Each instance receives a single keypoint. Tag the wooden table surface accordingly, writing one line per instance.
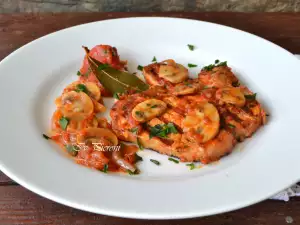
(20, 206)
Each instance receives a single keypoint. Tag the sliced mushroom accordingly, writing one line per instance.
(185, 88)
(172, 71)
(231, 95)
(90, 88)
(76, 105)
(148, 109)
(202, 121)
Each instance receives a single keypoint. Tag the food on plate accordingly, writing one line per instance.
(190, 120)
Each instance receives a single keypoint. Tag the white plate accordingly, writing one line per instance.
(32, 76)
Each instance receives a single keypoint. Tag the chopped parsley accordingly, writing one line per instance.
(231, 125)
(155, 162)
(141, 147)
(139, 113)
(140, 68)
(63, 122)
(84, 74)
(116, 96)
(162, 130)
(134, 130)
(72, 149)
(105, 168)
(103, 66)
(191, 47)
(217, 63)
(46, 137)
(130, 172)
(154, 106)
(209, 67)
(81, 87)
(190, 65)
(191, 165)
(173, 160)
(133, 173)
(138, 158)
(251, 97)
(154, 59)
(222, 63)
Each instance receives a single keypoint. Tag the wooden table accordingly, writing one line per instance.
(20, 206)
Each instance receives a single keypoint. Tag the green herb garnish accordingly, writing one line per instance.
(191, 165)
(217, 63)
(162, 130)
(134, 130)
(209, 67)
(154, 106)
(72, 149)
(190, 65)
(140, 68)
(103, 66)
(105, 168)
(154, 59)
(138, 158)
(155, 162)
(130, 172)
(191, 47)
(231, 125)
(139, 113)
(222, 63)
(173, 160)
(141, 147)
(251, 97)
(81, 87)
(79, 73)
(63, 122)
(116, 96)
(46, 137)
(133, 173)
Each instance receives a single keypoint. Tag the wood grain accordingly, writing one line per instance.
(10, 6)
(19, 29)
(20, 206)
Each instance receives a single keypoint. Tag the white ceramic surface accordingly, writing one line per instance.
(32, 76)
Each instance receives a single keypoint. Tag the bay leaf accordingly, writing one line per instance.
(114, 80)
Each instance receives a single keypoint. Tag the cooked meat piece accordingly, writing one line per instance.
(167, 73)
(201, 120)
(218, 77)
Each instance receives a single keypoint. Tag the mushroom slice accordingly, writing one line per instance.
(231, 95)
(172, 71)
(148, 109)
(76, 105)
(202, 122)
